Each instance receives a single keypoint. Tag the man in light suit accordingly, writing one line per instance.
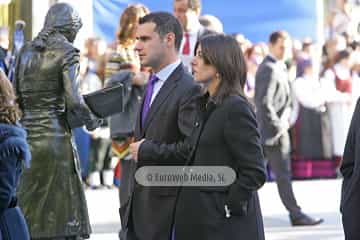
(167, 115)
(273, 104)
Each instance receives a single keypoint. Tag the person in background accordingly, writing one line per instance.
(89, 82)
(330, 51)
(188, 12)
(123, 66)
(211, 23)
(337, 82)
(311, 134)
(254, 55)
(4, 46)
(274, 107)
(243, 42)
(122, 55)
(100, 172)
(14, 156)
(305, 54)
(342, 19)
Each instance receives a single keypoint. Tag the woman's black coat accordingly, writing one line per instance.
(225, 134)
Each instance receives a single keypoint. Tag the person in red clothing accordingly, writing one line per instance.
(337, 82)
(188, 12)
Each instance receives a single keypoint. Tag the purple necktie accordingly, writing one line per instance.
(148, 95)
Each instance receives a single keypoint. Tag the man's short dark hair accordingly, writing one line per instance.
(275, 36)
(165, 23)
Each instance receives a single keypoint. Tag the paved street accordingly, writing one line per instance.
(317, 197)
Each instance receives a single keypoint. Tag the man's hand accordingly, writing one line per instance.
(134, 149)
(141, 78)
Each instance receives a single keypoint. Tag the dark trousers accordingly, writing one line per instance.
(351, 224)
(100, 150)
(127, 185)
(128, 232)
(278, 157)
(128, 168)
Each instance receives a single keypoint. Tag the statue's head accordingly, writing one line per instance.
(65, 19)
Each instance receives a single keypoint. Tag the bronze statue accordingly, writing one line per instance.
(46, 82)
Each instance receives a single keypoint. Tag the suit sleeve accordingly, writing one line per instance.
(350, 151)
(175, 153)
(270, 86)
(243, 139)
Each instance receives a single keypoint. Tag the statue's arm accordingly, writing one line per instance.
(74, 101)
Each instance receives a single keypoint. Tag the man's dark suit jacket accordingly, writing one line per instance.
(350, 169)
(170, 119)
(272, 97)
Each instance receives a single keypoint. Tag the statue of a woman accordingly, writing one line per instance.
(46, 82)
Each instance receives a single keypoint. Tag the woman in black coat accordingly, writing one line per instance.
(225, 135)
(14, 154)
(229, 137)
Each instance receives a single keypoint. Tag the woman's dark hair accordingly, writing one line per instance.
(9, 110)
(224, 53)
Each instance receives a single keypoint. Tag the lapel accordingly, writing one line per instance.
(204, 109)
(160, 98)
(281, 72)
(139, 133)
(269, 58)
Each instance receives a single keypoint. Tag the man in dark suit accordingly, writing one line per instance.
(273, 103)
(167, 115)
(350, 195)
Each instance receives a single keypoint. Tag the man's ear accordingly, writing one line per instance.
(170, 39)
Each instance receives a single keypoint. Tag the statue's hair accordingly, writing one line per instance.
(61, 18)
(40, 41)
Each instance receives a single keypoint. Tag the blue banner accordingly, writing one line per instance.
(256, 19)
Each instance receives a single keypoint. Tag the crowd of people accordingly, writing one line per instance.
(193, 96)
(321, 108)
